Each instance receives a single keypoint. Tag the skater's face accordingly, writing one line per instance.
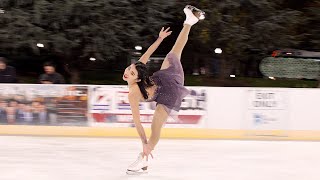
(130, 74)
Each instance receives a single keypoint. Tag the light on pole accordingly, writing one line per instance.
(40, 45)
(138, 48)
(218, 50)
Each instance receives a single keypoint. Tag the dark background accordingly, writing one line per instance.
(72, 31)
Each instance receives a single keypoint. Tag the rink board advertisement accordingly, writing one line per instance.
(267, 109)
(109, 106)
(58, 105)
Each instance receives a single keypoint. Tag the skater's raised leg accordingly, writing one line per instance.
(192, 17)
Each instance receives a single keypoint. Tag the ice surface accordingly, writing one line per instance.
(61, 158)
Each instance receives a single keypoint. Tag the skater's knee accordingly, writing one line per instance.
(176, 53)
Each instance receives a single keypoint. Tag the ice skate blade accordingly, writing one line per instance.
(202, 16)
(201, 13)
(140, 172)
(143, 170)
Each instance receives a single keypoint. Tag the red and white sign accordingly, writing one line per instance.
(109, 106)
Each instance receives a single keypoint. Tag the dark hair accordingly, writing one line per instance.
(144, 77)
(49, 64)
(3, 60)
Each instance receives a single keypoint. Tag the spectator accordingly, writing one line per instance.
(12, 111)
(27, 115)
(3, 112)
(50, 76)
(7, 73)
(11, 115)
(20, 113)
(45, 79)
(41, 115)
(51, 104)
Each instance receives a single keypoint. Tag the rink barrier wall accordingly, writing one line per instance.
(170, 133)
(209, 113)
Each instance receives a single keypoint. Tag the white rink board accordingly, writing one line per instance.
(225, 108)
(296, 109)
(305, 109)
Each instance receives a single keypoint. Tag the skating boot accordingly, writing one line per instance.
(140, 166)
(193, 15)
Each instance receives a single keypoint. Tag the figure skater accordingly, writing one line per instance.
(164, 87)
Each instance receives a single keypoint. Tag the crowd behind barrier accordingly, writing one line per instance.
(50, 76)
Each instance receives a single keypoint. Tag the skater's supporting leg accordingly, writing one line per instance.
(159, 118)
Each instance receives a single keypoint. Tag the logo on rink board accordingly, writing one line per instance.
(267, 100)
(267, 109)
(110, 106)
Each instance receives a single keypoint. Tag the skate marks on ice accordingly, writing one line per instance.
(52, 158)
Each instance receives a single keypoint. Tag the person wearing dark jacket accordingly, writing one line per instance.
(7, 73)
(51, 76)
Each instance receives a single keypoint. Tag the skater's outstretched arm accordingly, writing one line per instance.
(134, 104)
(163, 34)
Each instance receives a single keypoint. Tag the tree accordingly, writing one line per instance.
(238, 26)
(312, 24)
(75, 30)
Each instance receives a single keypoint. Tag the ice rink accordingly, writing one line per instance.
(61, 158)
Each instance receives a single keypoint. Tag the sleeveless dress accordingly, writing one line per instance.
(170, 90)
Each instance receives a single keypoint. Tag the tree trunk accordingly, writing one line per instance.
(73, 73)
(75, 76)
(224, 70)
(195, 69)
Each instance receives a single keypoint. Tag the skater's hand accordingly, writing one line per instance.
(147, 150)
(164, 33)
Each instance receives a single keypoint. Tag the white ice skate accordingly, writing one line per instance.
(140, 166)
(193, 15)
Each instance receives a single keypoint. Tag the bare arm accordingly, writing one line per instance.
(163, 34)
(134, 104)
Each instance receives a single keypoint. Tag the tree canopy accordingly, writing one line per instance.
(76, 30)
(80, 29)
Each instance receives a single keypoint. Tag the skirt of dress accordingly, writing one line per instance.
(170, 86)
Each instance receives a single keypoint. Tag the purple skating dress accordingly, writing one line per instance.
(170, 90)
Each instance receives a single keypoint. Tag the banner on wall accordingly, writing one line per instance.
(43, 104)
(267, 109)
(109, 106)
